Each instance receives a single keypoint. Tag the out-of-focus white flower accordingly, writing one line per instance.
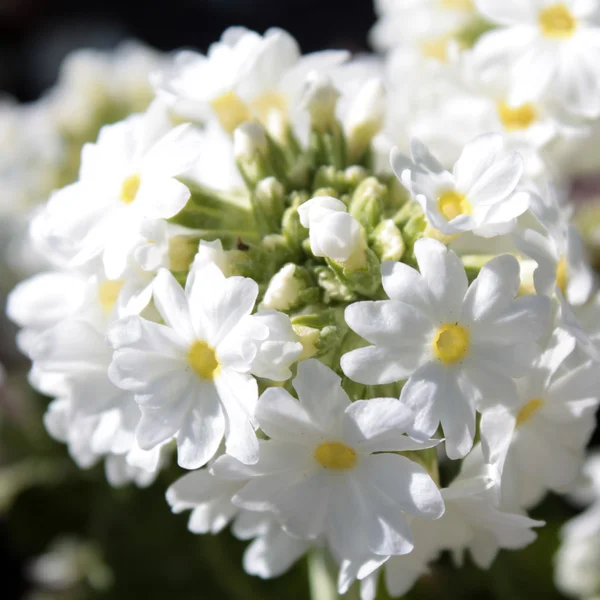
(559, 252)
(550, 48)
(243, 76)
(540, 441)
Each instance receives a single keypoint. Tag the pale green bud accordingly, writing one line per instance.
(268, 202)
(365, 118)
(361, 273)
(387, 241)
(251, 148)
(367, 203)
(333, 288)
(320, 99)
(284, 291)
(320, 332)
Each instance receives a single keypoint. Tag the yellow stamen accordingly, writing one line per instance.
(269, 102)
(436, 48)
(335, 455)
(516, 118)
(451, 343)
(452, 204)
(557, 22)
(203, 360)
(528, 410)
(231, 111)
(108, 292)
(130, 188)
(457, 4)
(562, 274)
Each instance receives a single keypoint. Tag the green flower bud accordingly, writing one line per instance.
(367, 203)
(387, 241)
(268, 202)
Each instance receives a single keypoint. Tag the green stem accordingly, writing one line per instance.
(322, 579)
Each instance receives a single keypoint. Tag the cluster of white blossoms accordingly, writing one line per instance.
(377, 354)
(578, 559)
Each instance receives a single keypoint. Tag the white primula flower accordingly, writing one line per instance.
(473, 520)
(558, 251)
(428, 25)
(209, 498)
(577, 563)
(541, 440)
(330, 470)
(193, 376)
(333, 232)
(479, 195)
(459, 347)
(552, 48)
(244, 76)
(127, 177)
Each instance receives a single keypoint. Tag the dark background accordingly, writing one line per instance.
(36, 34)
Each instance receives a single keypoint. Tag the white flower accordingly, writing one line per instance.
(284, 289)
(128, 176)
(244, 76)
(328, 470)
(458, 347)
(479, 195)
(577, 563)
(209, 498)
(428, 25)
(550, 47)
(541, 440)
(473, 520)
(559, 252)
(192, 377)
(333, 232)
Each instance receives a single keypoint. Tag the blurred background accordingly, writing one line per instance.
(65, 534)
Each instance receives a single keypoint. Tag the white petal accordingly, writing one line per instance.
(320, 392)
(374, 365)
(493, 290)
(444, 273)
(283, 418)
(171, 303)
(202, 431)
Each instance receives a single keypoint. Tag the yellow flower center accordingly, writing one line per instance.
(452, 204)
(269, 102)
(130, 188)
(528, 410)
(203, 360)
(451, 343)
(457, 4)
(557, 22)
(231, 111)
(562, 274)
(436, 48)
(516, 118)
(108, 292)
(335, 455)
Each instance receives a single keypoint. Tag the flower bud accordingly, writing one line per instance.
(320, 99)
(367, 202)
(268, 202)
(365, 118)
(387, 241)
(249, 141)
(333, 232)
(285, 288)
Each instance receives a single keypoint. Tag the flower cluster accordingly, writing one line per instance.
(376, 353)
